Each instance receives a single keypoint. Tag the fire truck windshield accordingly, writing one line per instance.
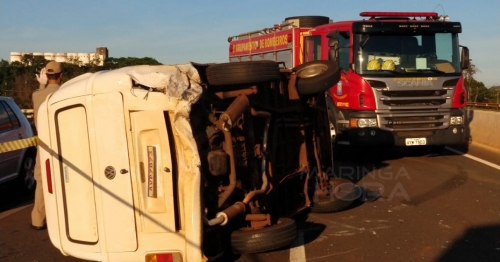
(415, 54)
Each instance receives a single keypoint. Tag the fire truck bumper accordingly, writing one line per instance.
(454, 135)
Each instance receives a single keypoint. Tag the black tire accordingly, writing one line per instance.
(316, 76)
(265, 239)
(243, 72)
(310, 21)
(345, 194)
(26, 178)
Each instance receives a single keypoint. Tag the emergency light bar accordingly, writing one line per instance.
(399, 14)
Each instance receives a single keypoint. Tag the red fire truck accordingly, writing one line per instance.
(401, 74)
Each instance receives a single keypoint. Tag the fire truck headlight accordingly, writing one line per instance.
(372, 122)
(363, 122)
(456, 120)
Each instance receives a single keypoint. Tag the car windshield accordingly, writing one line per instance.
(417, 54)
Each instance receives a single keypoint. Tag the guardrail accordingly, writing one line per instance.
(484, 105)
(28, 113)
(482, 124)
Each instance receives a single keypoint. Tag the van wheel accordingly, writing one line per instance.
(283, 233)
(343, 194)
(26, 178)
(316, 76)
(249, 72)
(310, 21)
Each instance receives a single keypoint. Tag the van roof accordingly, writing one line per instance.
(172, 80)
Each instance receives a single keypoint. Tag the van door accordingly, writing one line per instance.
(74, 178)
(113, 185)
(93, 173)
(154, 159)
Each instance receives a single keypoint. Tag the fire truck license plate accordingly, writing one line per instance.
(415, 141)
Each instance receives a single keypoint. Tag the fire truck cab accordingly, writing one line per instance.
(401, 74)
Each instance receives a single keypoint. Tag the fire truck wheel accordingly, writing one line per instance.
(344, 193)
(323, 130)
(332, 124)
(310, 21)
(243, 73)
(316, 76)
(339, 151)
(265, 239)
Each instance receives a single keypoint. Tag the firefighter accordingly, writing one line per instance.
(50, 78)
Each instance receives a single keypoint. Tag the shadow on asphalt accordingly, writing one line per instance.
(11, 197)
(476, 244)
(356, 162)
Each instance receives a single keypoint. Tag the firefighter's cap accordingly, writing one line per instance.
(53, 67)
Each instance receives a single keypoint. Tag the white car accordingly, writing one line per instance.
(17, 164)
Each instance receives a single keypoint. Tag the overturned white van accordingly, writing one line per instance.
(164, 163)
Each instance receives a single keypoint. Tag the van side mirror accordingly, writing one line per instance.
(464, 58)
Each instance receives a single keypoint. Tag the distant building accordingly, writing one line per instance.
(84, 58)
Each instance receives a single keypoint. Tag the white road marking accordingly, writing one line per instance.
(474, 158)
(298, 252)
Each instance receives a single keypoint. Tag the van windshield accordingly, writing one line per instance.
(416, 54)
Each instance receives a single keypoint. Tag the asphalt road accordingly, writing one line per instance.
(432, 208)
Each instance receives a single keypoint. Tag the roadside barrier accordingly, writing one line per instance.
(19, 144)
(28, 113)
(482, 128)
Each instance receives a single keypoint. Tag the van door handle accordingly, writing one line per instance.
(20, 136)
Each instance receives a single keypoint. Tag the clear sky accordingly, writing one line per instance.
(175, 32)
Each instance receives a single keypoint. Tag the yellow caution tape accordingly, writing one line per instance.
(19, 144)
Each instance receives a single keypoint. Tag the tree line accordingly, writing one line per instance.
(476, 90)
(17, 79)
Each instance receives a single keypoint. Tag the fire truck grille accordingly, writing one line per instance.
(414, 98)
(413, 122)
(414, 103)
(414, 93)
